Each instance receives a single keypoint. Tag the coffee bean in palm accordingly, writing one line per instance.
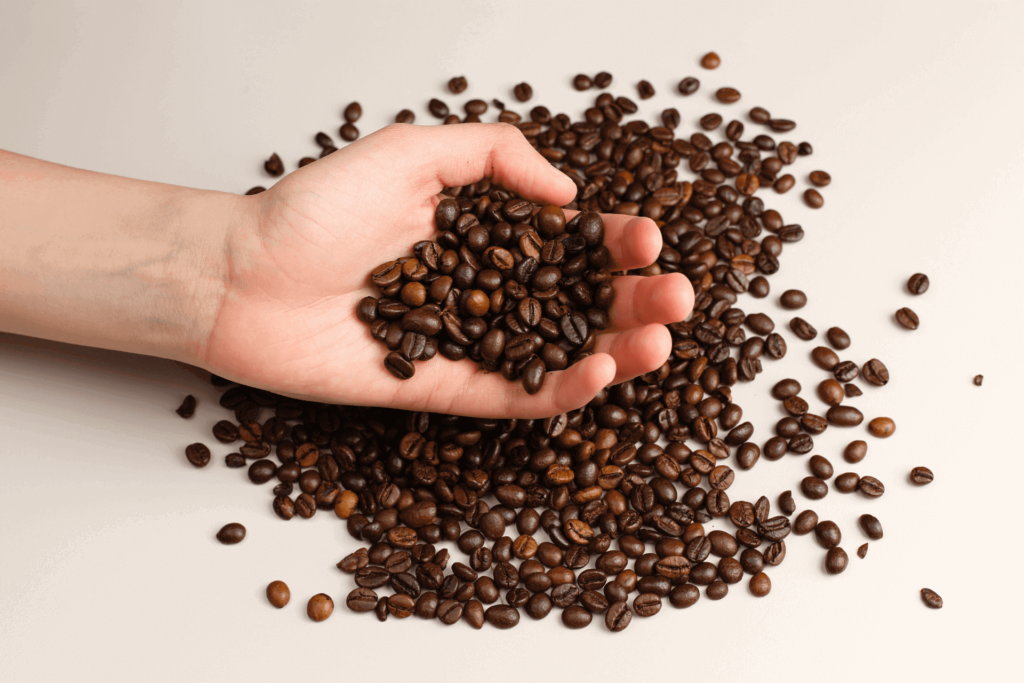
(710, 61)
(803, 329)
(274, 166)
(198, 454)
(882, 427)
(875, 372)
(793, 299)
(918, 283)
(805, 522)
(907, 318)
(399, 366)
(836, 560)
(523, 92)
(921, 476)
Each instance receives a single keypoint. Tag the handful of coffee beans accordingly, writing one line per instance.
(511, 285)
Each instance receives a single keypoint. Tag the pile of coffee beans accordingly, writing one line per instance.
(511, 285)
(600, 511)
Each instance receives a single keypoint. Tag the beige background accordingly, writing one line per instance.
(108, 566)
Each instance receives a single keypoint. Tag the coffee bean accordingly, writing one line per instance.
(399, 366)
(523, 92)
(278, 594)
(831, 392)
(803, 329)
(437, 108)
(760, 585)
(786, 388)
(820, 178)
(759, 287)
(847, 482)
(871, 526)
(824, 357)
(838, 338)
(647, 604)
(805, 522)
(793, 299)
(875, 372)
(683, 596)
(862, 551)
(582, 82)
(274, 166)
(710, 121)
(449, 612)
(852, 390)
(457, 85)
(603, 79)
(921, 476)
(727, 95)
(870, 487)
(231, 534)
(844, 416)
(255, 190)
(855, 451)
(918, 283)
(502, 616)
(813, 199)
(814, 488)
(645, 90)
(827, 534)
(717, 590)
(710, 61)
(198, 454)
(836, 560)
(907, 318)
(688, 85)
(820, 467)
(978, 379)
(931, 598)
(187, 407)
(361, 600)
(882, 427)
(319, 607)
(405, 116)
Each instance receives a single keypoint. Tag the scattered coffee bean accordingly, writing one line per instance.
(727, 95)
(847, 482)
(805, 522)
(231, 534)
(188, 407)
(457, 85)
(921, 476)
(274, 166)
(836, 560)
(978, 379)
(820, 178)
(870, 487)
(523, 92)
(871, 527)
(602, 80)
(198, 454)
(838, 338)
(319, 607)
(875, 372)
(645, 90)
(710, 61)
(803, 329)
(793, 299)
(907, 318)
(918, 283)
(855, 451)
(278, 594)
(882, 427)
(931, 598)
(688, 85)
(862, 551)
(813, 199)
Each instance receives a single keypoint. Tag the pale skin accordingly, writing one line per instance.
(263, 289)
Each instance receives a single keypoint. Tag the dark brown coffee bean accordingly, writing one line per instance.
(907, 318)
(399, 366)
(683, 596)
(278, 594)
(862, 551)
(931, 598)
(875, 372)
(523, 92)
(844, 416)
(781, 125)
(786, 503)
(437, 108)
(793, 299)
(918, 283)
(871, 526)
(576, 617)
(645, 90)
(831, 392)
(805, 522)
(603, 79)
(457, 85)
(852, 390)
(502, 616)
(647, 604)
(785, 389)
(274, 166)
(710, 121)
(813, 199)
(727, 95)
(836, 560)
(760, 584)
(231, 534)
(449, 612)
(824, 357)
(814, 488)
(820, 467)
(978, 379)
(921, 476)
(198, 454)
(187, 407)
(803, 329)
(847, 482)
(871, 487)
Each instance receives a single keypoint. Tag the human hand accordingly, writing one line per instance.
(299, 263)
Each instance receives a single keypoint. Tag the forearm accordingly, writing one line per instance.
(112, 262)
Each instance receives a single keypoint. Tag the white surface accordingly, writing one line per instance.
(109, 570)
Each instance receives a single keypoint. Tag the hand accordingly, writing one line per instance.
(299, 264)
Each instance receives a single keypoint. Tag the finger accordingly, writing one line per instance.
(461, 388)
(452, 156)
(659, 299)
(632, 241)
(636, 351)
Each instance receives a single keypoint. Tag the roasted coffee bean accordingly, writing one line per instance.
(845, 371)
(437, 108)
(918, 283)
(855, 451)
(785, 389)
(847, 482)
(646, 604)
(827, 534)
(523, 92)
(882, 427)
(786, 503)
(921, 476)
(645, 90)
(683, 596)
(814, 488)
(875, 372)
(198, 454)
(278, 594)
(824, 357)
(727, 95)
(576, 617)
(813, 199)
(805, 522)
(230, 534)
(819, 178)
(188, 407)
(831, 392)
(871, 527)
(907, 318)
(844, 416)
(457, 85)
(717, 590)
(820, 467)
(838, 338)
(793, 299)
(760, 584)
(871, 487)
(852, 391)
(603, 79)
(931, 598)
(710, 61)
(862, 551)
(274, 166)
(449, 612)
(319, 607)
(836, 560)
(978, 379)
(803, 329)
(502, 616)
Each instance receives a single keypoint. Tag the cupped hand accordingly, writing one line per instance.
(300, 257)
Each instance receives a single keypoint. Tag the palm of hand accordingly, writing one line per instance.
(288, 321)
